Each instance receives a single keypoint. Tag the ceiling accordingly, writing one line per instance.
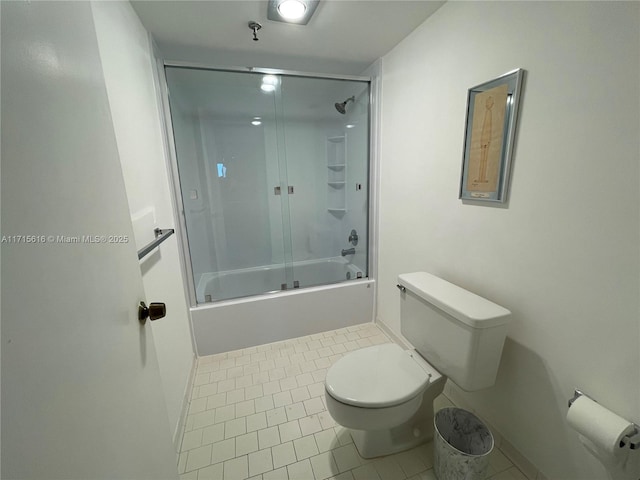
(349, 32)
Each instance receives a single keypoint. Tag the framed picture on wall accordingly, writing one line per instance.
(492, 112)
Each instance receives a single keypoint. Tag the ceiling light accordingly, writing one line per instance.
(291, 11)
(256, 122)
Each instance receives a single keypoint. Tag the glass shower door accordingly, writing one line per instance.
(273, 173)
(232, 178)
(326, 130)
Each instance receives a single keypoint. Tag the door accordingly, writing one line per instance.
(326, 130)
(81, 390)
(229, 151)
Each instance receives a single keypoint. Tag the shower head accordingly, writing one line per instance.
(342, 107)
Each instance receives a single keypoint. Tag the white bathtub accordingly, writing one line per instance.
(230, 284)
(221, 326)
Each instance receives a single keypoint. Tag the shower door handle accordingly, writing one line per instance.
(276, 190)
(290, 189)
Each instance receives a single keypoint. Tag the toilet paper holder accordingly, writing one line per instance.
(632, 440)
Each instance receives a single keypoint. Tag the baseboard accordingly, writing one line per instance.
(186, 401)
(392, 335)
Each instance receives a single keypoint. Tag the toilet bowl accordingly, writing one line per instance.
(385, 393)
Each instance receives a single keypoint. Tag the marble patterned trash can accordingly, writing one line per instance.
(462, 445)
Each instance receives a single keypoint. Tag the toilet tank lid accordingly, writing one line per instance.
(469, 308)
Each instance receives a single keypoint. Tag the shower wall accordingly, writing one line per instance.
(315, 233)
(313, 230)
(236, 173)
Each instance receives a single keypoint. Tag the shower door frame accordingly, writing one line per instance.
(174, 178)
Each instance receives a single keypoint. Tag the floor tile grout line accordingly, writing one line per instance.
(300, 360)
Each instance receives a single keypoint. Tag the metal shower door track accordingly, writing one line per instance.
(268, 71)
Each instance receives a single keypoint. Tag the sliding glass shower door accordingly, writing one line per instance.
(273, 179)
(327, 151)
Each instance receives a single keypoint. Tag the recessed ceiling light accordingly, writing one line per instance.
(292, 9)
(256, 122)
(298, 12)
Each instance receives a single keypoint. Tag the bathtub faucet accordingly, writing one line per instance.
(348, 251)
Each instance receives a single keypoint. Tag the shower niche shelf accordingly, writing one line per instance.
(336, 174)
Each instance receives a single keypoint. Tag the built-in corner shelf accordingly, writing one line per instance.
(336, 174)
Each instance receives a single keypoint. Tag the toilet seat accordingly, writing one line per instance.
(377, 377)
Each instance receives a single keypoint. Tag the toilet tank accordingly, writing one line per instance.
(458, 332)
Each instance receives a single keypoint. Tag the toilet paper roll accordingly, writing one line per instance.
(603, 428)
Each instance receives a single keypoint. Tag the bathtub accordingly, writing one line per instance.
(246, 282)
(256, 319)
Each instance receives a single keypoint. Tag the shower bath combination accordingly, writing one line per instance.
(268, 204)
(268, 184)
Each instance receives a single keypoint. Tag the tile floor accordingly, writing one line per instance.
(259, 414)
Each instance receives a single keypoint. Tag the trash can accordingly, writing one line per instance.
(462, 444)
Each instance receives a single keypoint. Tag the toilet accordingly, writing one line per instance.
(384, 394)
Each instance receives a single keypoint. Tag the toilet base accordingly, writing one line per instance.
(377, 443)
(415, 431)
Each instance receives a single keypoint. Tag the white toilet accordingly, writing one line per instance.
(385, 394)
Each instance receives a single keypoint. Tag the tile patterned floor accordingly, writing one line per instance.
(259, 413)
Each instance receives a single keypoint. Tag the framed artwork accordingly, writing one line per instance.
(492, 113)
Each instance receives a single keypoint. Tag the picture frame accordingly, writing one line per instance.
(492, 115)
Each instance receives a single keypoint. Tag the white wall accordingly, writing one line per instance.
(127, 61)
(563, 255)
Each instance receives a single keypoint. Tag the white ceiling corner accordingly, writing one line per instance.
(346, 31)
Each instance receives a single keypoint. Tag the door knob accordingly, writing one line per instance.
(154, 311)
